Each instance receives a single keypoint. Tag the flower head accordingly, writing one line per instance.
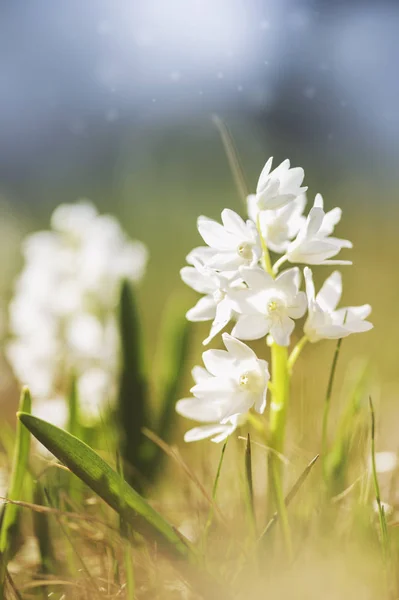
(324, 321)
(279, 187)
(314, 244)
(281, 225)
(231, 245)
(233, 381)
(269, 305)
(216, 304)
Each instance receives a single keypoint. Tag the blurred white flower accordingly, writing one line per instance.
(279, 187)
(232, 244)
(324, 321)
(385, 462)
(216, 304)
(269, 305)
(233, 382)
(96, 390)
(279, 226)
(62, 317)
(314, 244)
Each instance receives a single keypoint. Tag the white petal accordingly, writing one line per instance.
(204, 411)
(256, 278)
(297, 308)
(331, 219)
(234, 224)
(200, 282)
(310, 291)
(281, 330)
(204, 310)
(251, 327)
(214, 387)
(206, 431)
(237, 349)
(215, 234)
(290, 281)
(314, 221)
(199, 373)
(318, 201)
(218, 362)
(222, 317)
(264, 176)
(260, 405)
(330, 292)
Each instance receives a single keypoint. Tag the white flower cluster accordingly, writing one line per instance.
(62, 317)
(240, 284)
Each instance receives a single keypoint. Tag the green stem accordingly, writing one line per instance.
(278, 264)
(295, 353)
(266, 262)
(277, 426)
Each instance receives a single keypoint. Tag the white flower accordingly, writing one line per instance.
(269, 305)
(314, 244)
(279, 187)
(281, 225)
(216, 304)
(385, 462)
(324, 322)
(62, 317)
(96, 388)
(233, 244)
(233, 382)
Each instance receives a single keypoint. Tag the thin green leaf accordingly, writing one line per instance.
(18, 473)
(291, 495)
(133, 400)
(327, 405)
(103, 480)
(381, 512)
(43, 534)
(173, 354)
(249, 491)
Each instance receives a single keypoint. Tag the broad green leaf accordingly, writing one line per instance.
(133, 397)
(19, 469)
(103, 480)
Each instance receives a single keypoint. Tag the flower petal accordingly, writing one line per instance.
(237, 349)
(251, 327)
(200, 282)
(281, 330)
(204, 310)
(206, 431)
(330, 292)
(215, 234)
(218, 362)
(204, 411)
(256, 278)
(234, 224)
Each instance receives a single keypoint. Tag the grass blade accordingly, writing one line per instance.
(233, 158)
(132, 403)
(249, 490)
(104, 481)
(381, 512)
(19, 469)
(327, 404)
(291, 495)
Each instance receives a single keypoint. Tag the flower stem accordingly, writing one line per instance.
(278, 264)
(277, 423)
(266, 262)
(295, 353)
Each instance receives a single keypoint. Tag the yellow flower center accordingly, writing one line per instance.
(251, 381)
(245, 251)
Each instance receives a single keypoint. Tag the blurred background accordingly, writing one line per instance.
(113, 101)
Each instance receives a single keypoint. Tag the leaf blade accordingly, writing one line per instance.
(103, 480)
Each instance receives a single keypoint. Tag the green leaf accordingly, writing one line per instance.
(103, 480)
(9, 519)
(173, 352)
(133, 397)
